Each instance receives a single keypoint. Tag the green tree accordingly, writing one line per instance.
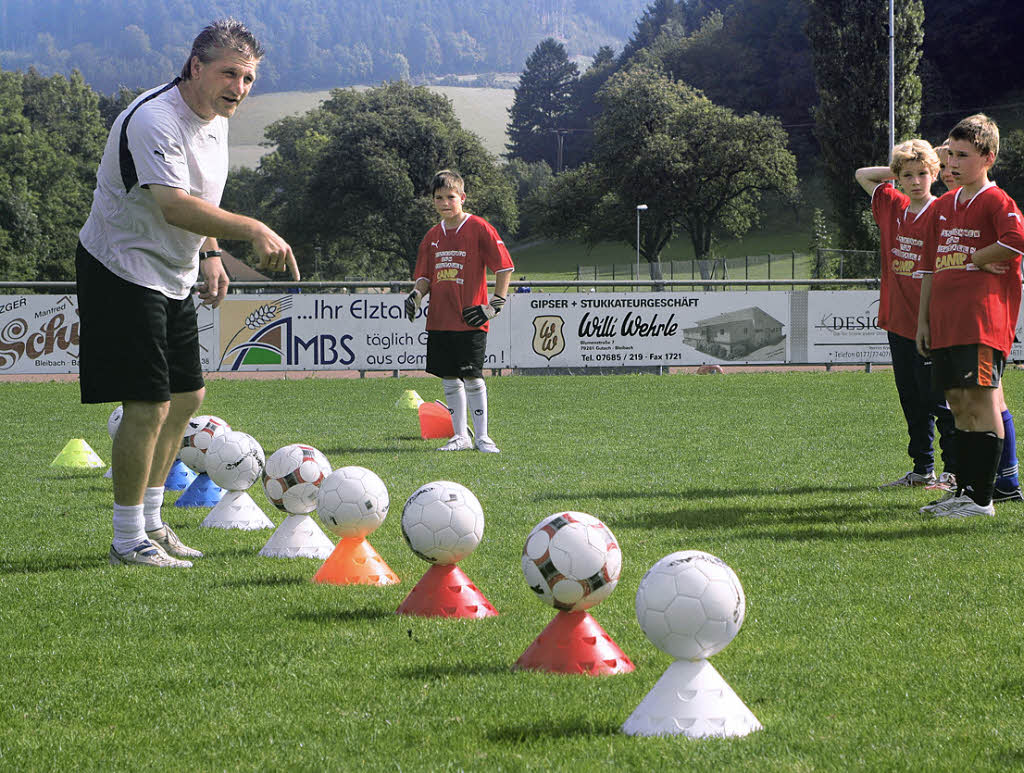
(701, 169)
(347, 184)
(1009, 169)
(849, 43)
(51, 139)
(539, 119)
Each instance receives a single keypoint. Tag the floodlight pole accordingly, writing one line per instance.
(639, 208)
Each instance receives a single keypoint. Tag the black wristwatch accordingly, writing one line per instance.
(209, 254)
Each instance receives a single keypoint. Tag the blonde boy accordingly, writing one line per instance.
(905, 227)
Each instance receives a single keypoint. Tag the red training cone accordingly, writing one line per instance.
(575, 643)
(446, 591)
(354, 562)
(435, 421)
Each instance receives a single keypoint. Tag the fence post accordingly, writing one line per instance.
(769, 265)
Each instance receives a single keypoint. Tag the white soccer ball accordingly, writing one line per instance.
(234, 460)
(199, 433)
(571, 561)
(442, 522)
(114, 421)
(353, 502)
(690, 604)
(292, 477)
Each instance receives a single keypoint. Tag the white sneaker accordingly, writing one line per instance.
(949, 499)
(146, 554)
(486, 445)
(457, 443)
(945, 482)
(911, 479)
(171, 544)
(966, 508)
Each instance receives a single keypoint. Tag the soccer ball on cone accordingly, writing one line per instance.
(442, 522)
(352, 502)
(234, 460)
(292, 478)
(690, 604)
(114, 421)
(199, 433)
(571, 561)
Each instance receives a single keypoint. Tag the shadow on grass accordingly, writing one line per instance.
(442, 671)
(714, 494)
(376, 449)
(340, 615)
(51, 563)
(540, 731)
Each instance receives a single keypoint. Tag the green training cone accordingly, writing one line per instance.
(409, 399)
(77, 453)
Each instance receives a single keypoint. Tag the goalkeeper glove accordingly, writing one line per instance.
(412, 304)
(475, 316)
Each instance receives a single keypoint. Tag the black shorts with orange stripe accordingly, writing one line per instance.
(969, 365)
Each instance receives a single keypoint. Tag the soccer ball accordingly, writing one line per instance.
(353, 502)
(571, 561)
(293, 476)
(234, 460)
(442, 522)
(690, 604)
(199, 433)
(114, 421)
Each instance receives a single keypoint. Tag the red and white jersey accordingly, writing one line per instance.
(968, 305)
(455, 262)
(905, 236)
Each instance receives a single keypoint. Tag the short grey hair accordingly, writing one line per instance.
(228, 34)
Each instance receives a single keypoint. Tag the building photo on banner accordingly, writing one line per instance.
(368, 331)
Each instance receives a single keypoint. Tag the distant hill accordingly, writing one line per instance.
(310, 44)
(483, 111)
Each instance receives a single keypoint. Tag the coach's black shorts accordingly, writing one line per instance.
(456, 353)
(969, 365)
(134, 343)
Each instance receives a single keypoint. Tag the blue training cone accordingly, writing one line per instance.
(180, 476)
(202, 492)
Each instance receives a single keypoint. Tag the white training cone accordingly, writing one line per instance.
(298, 536)
(691, 699)
(237, 510)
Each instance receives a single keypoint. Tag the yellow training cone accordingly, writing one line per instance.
(77, 453)
(409, 399)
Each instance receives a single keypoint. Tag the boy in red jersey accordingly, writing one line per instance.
(969, 308)
(905, 226)
(452, 266)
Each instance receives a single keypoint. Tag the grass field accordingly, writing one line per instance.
(875, 638)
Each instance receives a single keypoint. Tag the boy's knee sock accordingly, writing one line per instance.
(983, 452)
(476, 394)
(455, 396)
(152, 501)
(129, 528)
(1007, 478)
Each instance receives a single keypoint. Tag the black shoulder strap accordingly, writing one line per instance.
(129, 175)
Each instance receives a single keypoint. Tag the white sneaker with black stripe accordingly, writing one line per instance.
(146, 554)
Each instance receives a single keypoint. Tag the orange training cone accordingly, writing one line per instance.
(435, 421)
(575, 643)
(446, 591)
(354, 562)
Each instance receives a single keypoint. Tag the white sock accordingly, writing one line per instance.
(152, 501)
(455, 396)
(129, 528)
(476, 395)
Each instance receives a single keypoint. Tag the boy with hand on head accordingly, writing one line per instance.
(905, 226)
(452, 265)
(969, 308)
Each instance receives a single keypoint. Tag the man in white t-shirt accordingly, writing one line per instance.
(152, 229)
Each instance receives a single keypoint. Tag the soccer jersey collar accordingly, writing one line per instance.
(465, 217)
(989, 184)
